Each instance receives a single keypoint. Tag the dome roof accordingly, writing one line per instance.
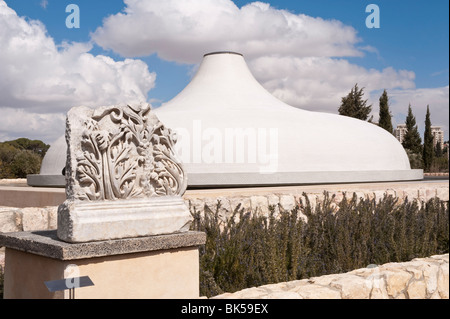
(55, 159)
(51, 173)
(232, 132)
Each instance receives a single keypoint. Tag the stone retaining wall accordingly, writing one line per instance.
(286, 198)
(424, 278)
(258, 200)
(13, 219)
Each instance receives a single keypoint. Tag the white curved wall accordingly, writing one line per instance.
(55, 158)
(224, 97)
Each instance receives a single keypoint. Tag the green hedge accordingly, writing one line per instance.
(252, 250)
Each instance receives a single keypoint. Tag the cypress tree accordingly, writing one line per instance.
(353, 104)
(412, 140)
(385, 120)
(438, 150)
(428, 147)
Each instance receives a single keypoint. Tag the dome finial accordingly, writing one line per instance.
(223, 52)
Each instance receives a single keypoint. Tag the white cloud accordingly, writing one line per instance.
(184, 30)
(436, 98)
(16, 123)
(44, 4)
(41, 80)
(319, 83)
(299, 59)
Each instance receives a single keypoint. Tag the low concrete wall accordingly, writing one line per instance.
(260, 199)
(424, 278)
(12, 196)
(15, 193)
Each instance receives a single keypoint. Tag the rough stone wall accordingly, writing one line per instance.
(13, 219)
(421, 278)
(287, 201)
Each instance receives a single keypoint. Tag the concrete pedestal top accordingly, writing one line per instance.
(47, 244)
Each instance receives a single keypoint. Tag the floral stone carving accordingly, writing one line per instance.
(123, 176)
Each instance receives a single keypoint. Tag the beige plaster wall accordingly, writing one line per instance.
(151, 275)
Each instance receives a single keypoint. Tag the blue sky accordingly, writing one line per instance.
(413, 35)
(408, 55)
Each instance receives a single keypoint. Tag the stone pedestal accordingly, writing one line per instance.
(152, 267)
(80, 221)
(123, 176)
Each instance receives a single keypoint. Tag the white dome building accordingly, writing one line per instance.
(232, 132)
(51, 172)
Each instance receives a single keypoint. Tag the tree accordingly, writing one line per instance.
(21, 157)
(385, 120)
(24, 163)
(36, 146)
(438, 150)
(415, 159)
(412, 140)
(7, 154)
(353, 104)
(428, 147)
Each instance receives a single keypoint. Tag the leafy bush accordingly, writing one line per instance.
(36, 146)
(439, 165)
(25, 162)
(21, 157)
(251, 250)
(415, 159)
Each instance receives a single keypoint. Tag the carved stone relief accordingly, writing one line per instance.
(126, 152)
(121, 161)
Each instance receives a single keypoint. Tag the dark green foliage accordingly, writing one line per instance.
(21, 157)
(36, 146)
(428, 145)
(24, 163)
(385, 120)
(438, 152)
(415, 159)
(440, 160)
(353, 104)
(412, 140)
(251, 250)
(440, 164)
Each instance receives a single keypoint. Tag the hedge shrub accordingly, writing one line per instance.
(252, 250)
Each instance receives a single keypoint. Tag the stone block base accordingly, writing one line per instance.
(153, 267)
(80, 221)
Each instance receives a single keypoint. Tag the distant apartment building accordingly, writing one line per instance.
(438, 136)
(400, 132)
